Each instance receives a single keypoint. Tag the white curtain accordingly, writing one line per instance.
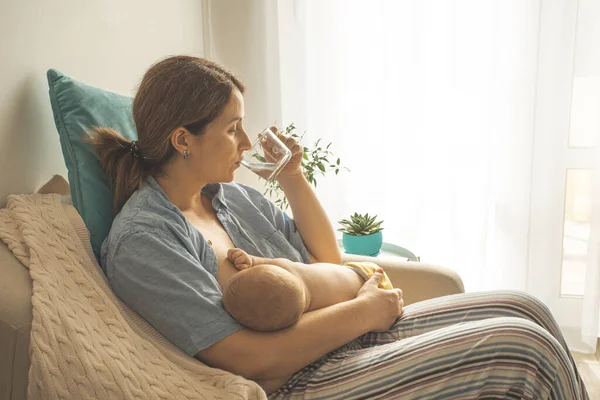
(430, 105)
(586, 73)
(437, 108)
(433, 105)
(585, 123)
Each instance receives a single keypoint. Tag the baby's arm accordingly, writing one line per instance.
(240, 259)
(326, 284)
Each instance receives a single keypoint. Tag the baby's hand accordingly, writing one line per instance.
(239, 258)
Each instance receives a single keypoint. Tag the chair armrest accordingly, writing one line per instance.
(15, 325)
(418, 281)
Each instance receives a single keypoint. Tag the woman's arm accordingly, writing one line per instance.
(311, 220)
(263, 356)
(269, 355)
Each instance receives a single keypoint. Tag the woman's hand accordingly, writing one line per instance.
(293, 167)
(386, 305)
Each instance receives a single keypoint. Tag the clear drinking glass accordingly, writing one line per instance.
(268, 155)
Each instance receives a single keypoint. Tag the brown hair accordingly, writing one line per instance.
(265, 298)
(179, 91)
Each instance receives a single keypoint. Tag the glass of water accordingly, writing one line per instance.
(267, 156)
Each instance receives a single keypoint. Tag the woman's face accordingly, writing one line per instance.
(217, 152)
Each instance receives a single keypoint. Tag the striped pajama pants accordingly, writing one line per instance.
(489, 345)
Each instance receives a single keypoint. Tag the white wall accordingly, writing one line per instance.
(104, 43)
(242, 37)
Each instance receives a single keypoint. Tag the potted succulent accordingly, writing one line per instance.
(362, 234)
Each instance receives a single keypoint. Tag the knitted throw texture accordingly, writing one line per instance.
(85, 343)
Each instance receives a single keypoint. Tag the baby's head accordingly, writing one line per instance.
(265, 298)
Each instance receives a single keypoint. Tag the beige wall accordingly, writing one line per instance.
(105, 43)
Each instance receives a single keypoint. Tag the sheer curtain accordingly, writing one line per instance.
(430, 105)
(585, 132)
(433, 105)
(443, 110)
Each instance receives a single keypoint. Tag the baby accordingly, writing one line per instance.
(271, 294)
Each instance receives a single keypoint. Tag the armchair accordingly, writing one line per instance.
(418, 281)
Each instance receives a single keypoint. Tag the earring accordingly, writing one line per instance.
(186, 155)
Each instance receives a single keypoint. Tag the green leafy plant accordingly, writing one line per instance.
(317, 160)
(360, 225)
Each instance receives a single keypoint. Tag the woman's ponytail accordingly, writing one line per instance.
(122, 162)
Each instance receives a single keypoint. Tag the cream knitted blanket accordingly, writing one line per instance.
(85, 343)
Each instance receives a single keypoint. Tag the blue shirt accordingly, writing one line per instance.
(161, 266)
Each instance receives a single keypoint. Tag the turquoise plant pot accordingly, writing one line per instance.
(367, 245)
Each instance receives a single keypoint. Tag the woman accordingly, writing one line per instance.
(166, 257)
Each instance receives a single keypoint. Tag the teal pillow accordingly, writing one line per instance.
(77, 108)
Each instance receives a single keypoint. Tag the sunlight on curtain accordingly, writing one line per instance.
(430, 104)
(585, 133)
